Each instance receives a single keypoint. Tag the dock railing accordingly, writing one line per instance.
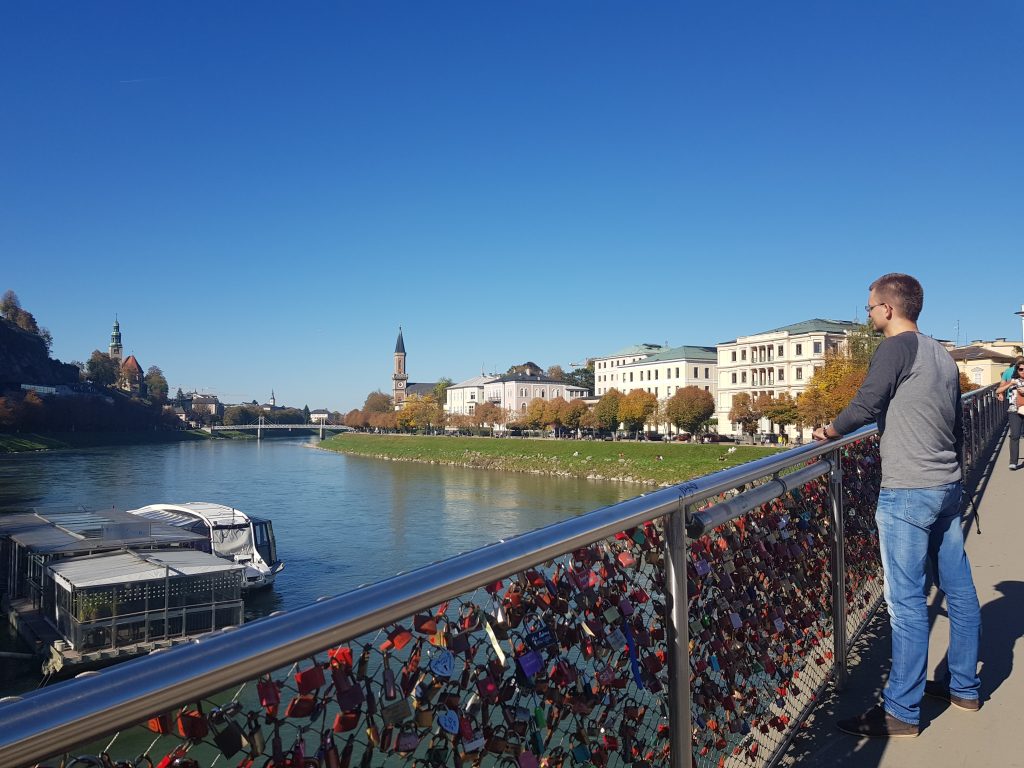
(693, 625)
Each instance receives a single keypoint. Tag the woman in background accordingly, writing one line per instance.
(1015, 400)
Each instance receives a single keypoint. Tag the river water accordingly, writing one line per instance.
(340, 521)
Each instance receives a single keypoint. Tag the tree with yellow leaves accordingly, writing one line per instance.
(636, 408)
(744, 412)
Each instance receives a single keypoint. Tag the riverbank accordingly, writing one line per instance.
(24, 442)
(650, 463)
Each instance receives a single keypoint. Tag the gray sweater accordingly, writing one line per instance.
(912, 391)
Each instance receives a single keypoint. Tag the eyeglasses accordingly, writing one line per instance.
(869, 307)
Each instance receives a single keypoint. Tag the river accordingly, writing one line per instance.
(340, 521)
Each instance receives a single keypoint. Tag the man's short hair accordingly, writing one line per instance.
(901, 291)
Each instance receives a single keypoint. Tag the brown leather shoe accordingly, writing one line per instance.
(876, 723)
(940, 691)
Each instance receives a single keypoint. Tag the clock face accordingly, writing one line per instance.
(400, 384)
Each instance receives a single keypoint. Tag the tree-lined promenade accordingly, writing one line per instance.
(652, 463)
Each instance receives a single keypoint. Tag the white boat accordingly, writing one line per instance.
(233, 535)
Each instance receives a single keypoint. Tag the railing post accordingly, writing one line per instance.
(835, 493)
(680, 719)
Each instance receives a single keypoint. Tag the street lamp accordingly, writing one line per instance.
(1021, 316)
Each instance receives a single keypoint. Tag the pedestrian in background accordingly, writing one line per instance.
(912, 391)
(1015, 405)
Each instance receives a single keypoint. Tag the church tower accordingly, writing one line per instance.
(399, 377)
(116, 352)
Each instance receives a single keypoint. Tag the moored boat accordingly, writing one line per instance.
(234, 535)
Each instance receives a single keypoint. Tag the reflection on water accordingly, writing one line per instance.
(340, 521)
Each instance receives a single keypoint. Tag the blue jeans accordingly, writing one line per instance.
(918, 529)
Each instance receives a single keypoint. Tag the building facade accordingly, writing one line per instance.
(514, 392)
(462, 399)
(981, 365)
(773, 362)
(665, 373)
(606, 369)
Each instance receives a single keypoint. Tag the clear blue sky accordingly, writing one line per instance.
(263, 192)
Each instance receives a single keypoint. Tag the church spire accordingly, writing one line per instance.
(116, 351)
(399, 377)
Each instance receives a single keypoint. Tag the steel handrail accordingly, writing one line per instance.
(58, 717)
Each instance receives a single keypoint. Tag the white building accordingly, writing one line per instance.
(463, 398)
(606, 369)
(664, 373)
(319, 416)
(515, 391)
(773, 362)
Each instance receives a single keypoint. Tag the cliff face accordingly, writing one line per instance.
(23, 360)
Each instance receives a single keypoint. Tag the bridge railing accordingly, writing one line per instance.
(694, 625)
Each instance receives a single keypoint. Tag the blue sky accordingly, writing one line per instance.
(263, 193)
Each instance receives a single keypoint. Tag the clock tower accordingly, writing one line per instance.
(399, 378)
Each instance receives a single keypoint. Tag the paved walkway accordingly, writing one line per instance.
(990, 738)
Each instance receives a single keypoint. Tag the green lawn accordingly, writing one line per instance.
(635, 462)
(21, 442)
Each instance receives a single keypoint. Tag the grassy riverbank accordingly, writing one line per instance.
(626, 461)
(24, 441)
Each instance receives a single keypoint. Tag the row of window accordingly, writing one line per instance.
(668, 374)
(758, 354)
(602, 364)
(780, 375)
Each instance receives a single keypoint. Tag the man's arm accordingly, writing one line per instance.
(889, 367)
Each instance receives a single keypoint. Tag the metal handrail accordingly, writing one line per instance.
(59, 717)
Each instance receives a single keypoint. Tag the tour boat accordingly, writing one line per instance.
(234, 535)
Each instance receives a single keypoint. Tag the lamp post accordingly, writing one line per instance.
(1021, 316)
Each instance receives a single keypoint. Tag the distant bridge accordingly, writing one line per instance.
(261, 425)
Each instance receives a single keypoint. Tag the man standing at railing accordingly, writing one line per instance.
(912, 391)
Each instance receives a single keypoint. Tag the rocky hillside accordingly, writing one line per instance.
(23, 360)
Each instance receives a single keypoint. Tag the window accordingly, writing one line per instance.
(677, 373)
(472, 395)
(780, 375)
(743, 377)
(655, 374)
(799, 349)
(707, 389)
(799, 374)
(668, 373)
(472, 408)
(555, 393)
(734, 377)
(780, 351)
(743, 354)
(630, 375)
(817, 347)
(655, 391)
(648, 375)
(541, 393)
(734, 355)
(668, 391)
(707, 373)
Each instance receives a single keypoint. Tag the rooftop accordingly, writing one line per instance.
(636, 349)
(119, 567)
(817, 325)
(709, 354)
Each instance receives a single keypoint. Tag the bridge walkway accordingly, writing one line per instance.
(990, 738)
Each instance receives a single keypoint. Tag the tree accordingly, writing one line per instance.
(488, 414)
(420, 412)
(11, 309)
(9, 305)
(743, 411)
(554, 413)
(581, 377)
(813, 407)
(156, 384)
(534, 418)
(833, 387)
(861, 343)
(555, 372)
(689, 408)
(8, 413)
(606, 412)
(101, 369)
(179, 398)
(781, 410)
(636, 408)
(354, 419)
(575, 411)
(377, 402)
(440, 391)
(966, 385)
(33, 411)
(305, 414)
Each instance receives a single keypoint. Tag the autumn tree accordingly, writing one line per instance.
(966, 385)
(534, 418)
(606, 412)
(744, 412)
(781, 410)
(420, 412)
(575, 411)
(833, 386)
(554, 413)
(156, 384)
(354, 419)
(101, 369)
(489, 415)
(11, 309)
(377, 402)
(636, 408)
(689, 408)
(8, 413)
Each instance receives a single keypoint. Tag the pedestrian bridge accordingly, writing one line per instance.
(260, 426)
(725, 621)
